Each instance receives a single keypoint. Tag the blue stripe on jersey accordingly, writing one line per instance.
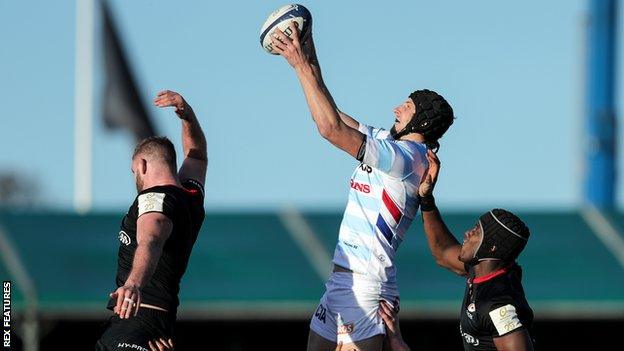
(396, 242)
(357, 225)
(366, 202)
(384, 229)
(385, 155)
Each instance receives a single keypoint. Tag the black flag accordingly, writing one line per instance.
(123, 107)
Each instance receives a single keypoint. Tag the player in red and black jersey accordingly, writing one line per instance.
(495, 314)
(157, 236)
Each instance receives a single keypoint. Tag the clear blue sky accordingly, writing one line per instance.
(513, 72)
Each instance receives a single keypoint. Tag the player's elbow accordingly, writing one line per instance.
(328, 130)
(442, 261)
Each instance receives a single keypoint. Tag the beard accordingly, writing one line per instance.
(139, 183)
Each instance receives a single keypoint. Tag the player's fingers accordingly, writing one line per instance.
(137, 304)
(339, 346)
(281, 36)
(119, 304)
(127, 303)
(159, 345)
(294, 27)
(152, 346)
(276, 46)
(386, 319)
(430, 157)
(170, 343)
(162, 101)
(434, 157)
(163, 92)
(388, 311)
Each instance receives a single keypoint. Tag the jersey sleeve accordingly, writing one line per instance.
(503, 318)
(373, 133)
(156, 201)
(390, 156)
(193, 186)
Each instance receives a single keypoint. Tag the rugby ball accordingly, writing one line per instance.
(281, 18)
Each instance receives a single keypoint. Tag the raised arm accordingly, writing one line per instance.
(443, 245)
(310, 50)
(193, 139)
(322, 106)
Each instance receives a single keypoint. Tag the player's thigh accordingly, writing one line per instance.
(319, 343)
(374, 343)
(125, 334)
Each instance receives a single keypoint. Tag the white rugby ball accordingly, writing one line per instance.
(281, 18)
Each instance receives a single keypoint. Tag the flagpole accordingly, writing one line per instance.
(83, 105)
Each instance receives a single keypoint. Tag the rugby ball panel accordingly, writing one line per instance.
(281, 18)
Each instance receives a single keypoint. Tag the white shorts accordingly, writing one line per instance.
(348, 309)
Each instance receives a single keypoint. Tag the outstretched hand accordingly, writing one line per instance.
(168, 98)
(290, 47)
(431, 177)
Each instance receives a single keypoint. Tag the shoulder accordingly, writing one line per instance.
(500, 309)
(413, 146)
(157, 199)
(505, 317)
(375, 133)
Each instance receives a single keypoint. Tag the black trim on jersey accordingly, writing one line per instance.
(190, 183)
(361, 150)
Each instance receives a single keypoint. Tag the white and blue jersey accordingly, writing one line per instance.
(382, 204)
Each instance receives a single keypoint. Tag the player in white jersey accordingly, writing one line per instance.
(382, 200)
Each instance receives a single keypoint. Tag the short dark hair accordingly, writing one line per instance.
(159, 147)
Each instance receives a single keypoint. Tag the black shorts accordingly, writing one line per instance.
(135, 333)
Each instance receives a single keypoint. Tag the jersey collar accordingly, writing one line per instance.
(489, 276)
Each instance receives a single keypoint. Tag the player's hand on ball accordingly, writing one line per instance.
(431, 177)
(128, 301)
(289, 47)
(167, 98)
(160, 345)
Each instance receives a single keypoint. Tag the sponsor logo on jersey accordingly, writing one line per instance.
(470, 339)
(366, 168)
(320, 313)
(124, 238)
(470, 310)
(471, 307)
(131, 346)
(351, 245)
(505, 319)
(365, 188)
(347, 328)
